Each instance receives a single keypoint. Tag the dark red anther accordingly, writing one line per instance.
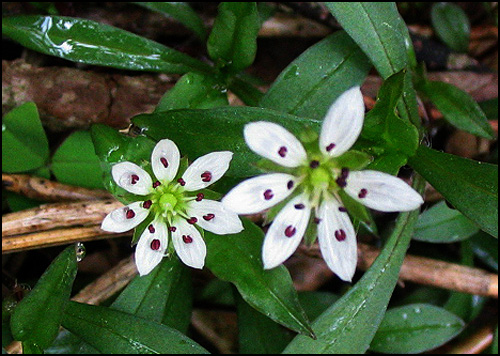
(290, 184)
(164, 161)
(344, 172)
(187, 239)
(129, 213)
(282, 151)
(208, 217)
(156, 184)
(317, 220)
(330, 147)
(206, 177)
(341, 181)
(192, 220)
(151, 229)
(268, 194)
(147, 204)
(172, 229)
(299, 206)
(342, 209)
(363, 193)
(134, 178)
(340, 235)
(290, 231)
(181, 181)
(314, 164)
(200, 196)
(155, 245)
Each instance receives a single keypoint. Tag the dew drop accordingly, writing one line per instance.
(80, 251)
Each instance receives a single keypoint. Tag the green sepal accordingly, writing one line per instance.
(354, 160)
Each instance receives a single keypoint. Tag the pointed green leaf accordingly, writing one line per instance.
(37, 318)
(237, 258)
(470, 186)
(452, 25)
(90, 42)
(115, 332)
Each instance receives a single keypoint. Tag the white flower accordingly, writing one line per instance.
(316, 178)
(176, 206)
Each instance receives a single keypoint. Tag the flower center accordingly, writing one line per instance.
(168, 201)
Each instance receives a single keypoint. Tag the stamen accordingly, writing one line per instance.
(151, 229)
(147, 204)
(340, 235)
(363, 193)
(129, 213)
(342, 209)
(181, 181)
(344, 172)
(164, 161)
(316, 220)
(156, 184)
(206, 177)
(192, 220)
(172, 229)
(282, 151)
(155, 245)
(208, 217)
(314, 164)
(187, 239)
(134, 178)
(330, 147)
(268, 194)
(290, 231)
(342, 179)
(200, 196)
(290, 184)
(299, 206)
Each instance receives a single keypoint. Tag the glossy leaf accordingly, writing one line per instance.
(458, 108)
(24, 144)
(37, 318)
(163, 296)
(215, 130)
(181, 11)
(115, 332)
(194, 91)
(86, 41)
(415, 328)
(348, 326)
(452, 25)
(76, 163)
(311, 83)
(470, 186)
(237, 258)
(232, 44)
(378, 29)
(440, 224)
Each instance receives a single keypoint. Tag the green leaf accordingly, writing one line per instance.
(378, 29)
(37, 318)
(485, 247)
(76, 163)
(115, 332)
(181, 11)
(470, 186)
(90, 42)
(245, 90)
(232, 44)
(216, 130)
(163, 296)
(458, 108)
(194, 91)
(24, 144)
(440, 224)
(349, 325)
(452, 25)
(311, 83)
(415, 328)
(237, 258)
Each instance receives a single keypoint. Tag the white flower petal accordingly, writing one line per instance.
(125, 218)
(132, 178)
(214, 217)
(342, 123)
(206, 170)
(259, 193)
(274, 142)
(165, 160)
(337, 239)
(151, 247)
(286, 232)
(189, 244)
(382, 191)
